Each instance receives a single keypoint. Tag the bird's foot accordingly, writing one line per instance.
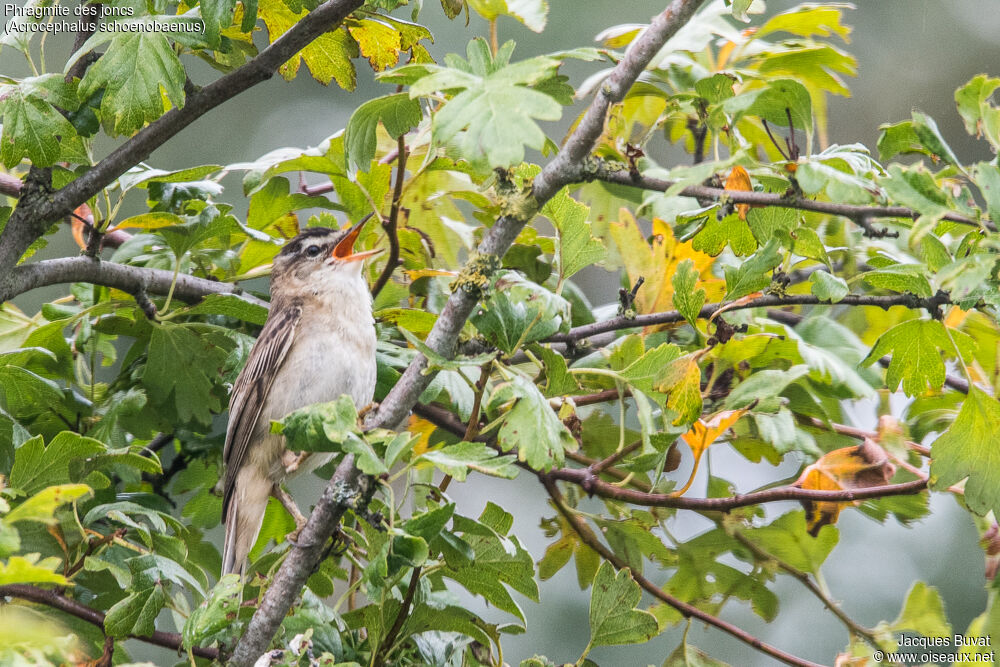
(365, 410)
(292, 461)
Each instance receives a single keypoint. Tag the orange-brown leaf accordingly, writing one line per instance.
(861, 467)
(739, 179)
(703, 434)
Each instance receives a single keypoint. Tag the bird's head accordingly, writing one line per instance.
(320, 258)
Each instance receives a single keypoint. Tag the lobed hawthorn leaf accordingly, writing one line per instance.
(923, 613)
(493, 115)
(181, 371)
(529, 424)
(459, 459)
(139, 73)
(576, 248)
(37, 466)
(328, 57)
(532, 13)
(32, 125)
(613, 616)
(917, 347)
(967, 450)
(787, 538)
(378, 41)
(519, 311)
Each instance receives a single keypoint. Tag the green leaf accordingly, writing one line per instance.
(181, 371)
(981, 117)
(751, 276)
(215, 613)
(26, 393)
(930, 136)
(42, 506)
(923, 613)
(731, 231)
(530, 425)
(915, 187)
(577, 248)
(762, 385)
(532, 13)
(968, 450)
(987, 177)
(498, 561)
(916, 347)
(774, 103)
(788, 539)
(30, 570)
(321, 427)
(686, 655)
(898, 138)
(230, 305)
(397, 113)
(828, 287)
(33, 126)
(766, 222)
(613, 616)
(139, 72)
(37, 467)
(519, 311)
(494, 116)
(458, 460)
(217, 15)
(136, 614)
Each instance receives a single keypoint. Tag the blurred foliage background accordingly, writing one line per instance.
(911, 54)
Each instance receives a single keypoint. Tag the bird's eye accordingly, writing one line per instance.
(313, 250)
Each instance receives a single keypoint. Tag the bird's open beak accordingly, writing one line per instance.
(344, 251)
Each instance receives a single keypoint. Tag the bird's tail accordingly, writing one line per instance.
(244, 516)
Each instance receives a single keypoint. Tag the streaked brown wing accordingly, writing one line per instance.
(251, 389)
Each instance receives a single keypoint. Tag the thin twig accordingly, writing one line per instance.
(852, 211)
(55, 600)
(808, 582)
(390, 638)
(766, 301)
(391, 224)
(588, 537)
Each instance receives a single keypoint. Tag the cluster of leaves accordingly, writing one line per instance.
(95, 394)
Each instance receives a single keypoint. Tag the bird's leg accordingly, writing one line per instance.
(292, 461)
(289, 504)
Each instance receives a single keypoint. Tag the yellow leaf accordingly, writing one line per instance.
(739, 179)
(421, 428)
(656, 261)
(703, 434)
(379, 42)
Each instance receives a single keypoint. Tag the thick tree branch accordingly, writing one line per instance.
(131, 279)
(863, 215)
(443, 337)
(588, 537)
(31, 218)
(561, 171)
(348, 489)
(55, 600)
(766, 301)
(10, 185)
